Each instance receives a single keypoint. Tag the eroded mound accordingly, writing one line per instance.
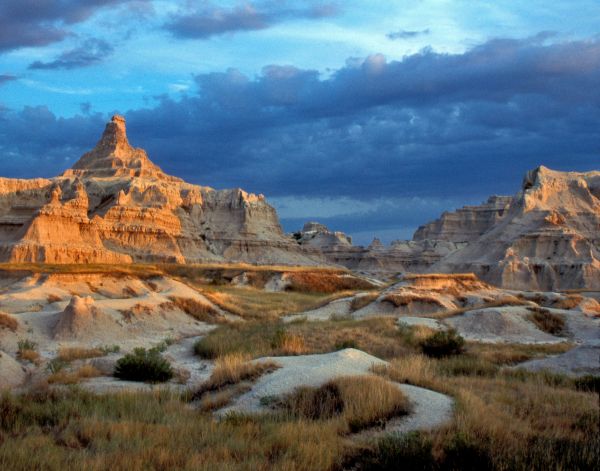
(12, 374)
(82, 320)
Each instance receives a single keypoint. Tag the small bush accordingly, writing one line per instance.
(588, 383)
(27, 351)
(144, 365)
(108, 349)
(547, 321)
(26, 344)
(346, 343)
(55, 365)
(442, 344)
(8, 322)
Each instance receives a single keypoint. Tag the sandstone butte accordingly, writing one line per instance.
(115, 206)
(546, 237)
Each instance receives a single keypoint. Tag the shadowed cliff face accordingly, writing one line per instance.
(116, 206)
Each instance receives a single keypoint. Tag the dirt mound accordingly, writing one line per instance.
(83, 320)
(12, 374)
(500, 325)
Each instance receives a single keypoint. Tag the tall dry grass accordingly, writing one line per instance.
(79, 353)
(8, 322)
(201, 311)
(357, 402)
(232, 369)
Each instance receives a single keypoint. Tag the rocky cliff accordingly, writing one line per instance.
(116, 206)
(547, 237)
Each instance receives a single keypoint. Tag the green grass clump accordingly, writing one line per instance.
(144, 365)
(443, 344)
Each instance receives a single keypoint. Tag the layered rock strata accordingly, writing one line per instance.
(115, 206)
(546, 237)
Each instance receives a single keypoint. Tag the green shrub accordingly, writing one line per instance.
(442, 344)
(26, 344)
(346, 343)
(108, 349)
(588, 383)
(144, 365)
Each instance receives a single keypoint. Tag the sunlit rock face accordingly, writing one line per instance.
(116, 206)
(547, 237)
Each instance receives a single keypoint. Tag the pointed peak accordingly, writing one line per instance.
(113, 156)
(115, 135)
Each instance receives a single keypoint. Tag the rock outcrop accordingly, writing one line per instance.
(116, 206)
(548, 240)
(547, 237)
(81, 320)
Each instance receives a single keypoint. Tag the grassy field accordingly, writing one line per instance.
(504, 418)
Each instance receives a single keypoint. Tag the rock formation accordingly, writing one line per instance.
(547, 237)
(81, 319)
(548, 240)
(116, 206)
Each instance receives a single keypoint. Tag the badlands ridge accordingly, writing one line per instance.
(116, 206)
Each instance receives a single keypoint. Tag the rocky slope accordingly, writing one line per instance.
(116, 206)
(547, 237)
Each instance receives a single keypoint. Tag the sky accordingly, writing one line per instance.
(372, 117)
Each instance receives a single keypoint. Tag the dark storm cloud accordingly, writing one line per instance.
(91, 52)
(407, 34)
(26, 23)
(211, 20)
(437, 126)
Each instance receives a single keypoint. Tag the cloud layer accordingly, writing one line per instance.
(432, 126)
(210, 20)
(26, 23)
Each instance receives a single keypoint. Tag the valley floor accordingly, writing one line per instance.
(292, 369)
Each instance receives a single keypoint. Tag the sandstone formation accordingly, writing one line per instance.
(547, 237)
(116, 206)
(81, 319)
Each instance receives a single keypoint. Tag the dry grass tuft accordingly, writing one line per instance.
(358, 401)
(570, 302)
(547, 321)
(362, 301)
(53, 298)
(8, 322)
(73, 377)
(326, 283)
(29, 355)
(232, 369)
(79, 353)
(198, 310)
(406, 299)
(88, 371)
